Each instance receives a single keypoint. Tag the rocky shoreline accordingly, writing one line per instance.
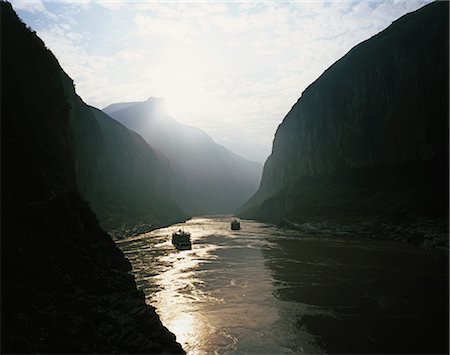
(127, 230)
(421, 232)
(65, 287)
(68, 289)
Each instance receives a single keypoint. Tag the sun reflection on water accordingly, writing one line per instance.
(252, 291)
(216, 298)
(180, 290)
(183, 327)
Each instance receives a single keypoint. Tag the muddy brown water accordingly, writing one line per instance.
(261, 290)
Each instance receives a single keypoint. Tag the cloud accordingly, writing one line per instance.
(272, 19)
(180, 22)
(90, 72)
(111, 5)
(250, 61)
(154, 26)
(33, 6)
(29, 5)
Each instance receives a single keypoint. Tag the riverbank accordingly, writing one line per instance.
(66, 288)
(421, 232)
(127, 230)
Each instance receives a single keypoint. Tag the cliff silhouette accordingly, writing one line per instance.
(368, 140)
(66, 288)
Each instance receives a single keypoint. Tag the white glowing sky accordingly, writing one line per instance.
(233, 69)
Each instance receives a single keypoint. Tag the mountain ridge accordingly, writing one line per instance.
(383, 108)
(142, 194)
(66, 287)
(209, 179)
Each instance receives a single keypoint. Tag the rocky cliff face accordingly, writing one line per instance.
(372, 127)
(121, 177)
(131, 181)
(207, 178)
(66, 288)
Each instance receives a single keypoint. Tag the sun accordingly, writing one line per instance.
(181, 78)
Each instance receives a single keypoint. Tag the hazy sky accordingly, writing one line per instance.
(233, 69)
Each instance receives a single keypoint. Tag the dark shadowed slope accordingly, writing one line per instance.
(131, 182)
(208, 178)
(65, 286)
(120, 176)
(369, 138)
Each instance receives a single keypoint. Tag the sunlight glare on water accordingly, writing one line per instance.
(217, 297)
(263, 290)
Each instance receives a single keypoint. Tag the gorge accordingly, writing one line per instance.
(343, 246)
(368, 140)
(65, 285)
(207, 177)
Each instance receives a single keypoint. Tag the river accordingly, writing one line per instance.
(262, 290)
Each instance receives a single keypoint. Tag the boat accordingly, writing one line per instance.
(181, 240)
(235, 225)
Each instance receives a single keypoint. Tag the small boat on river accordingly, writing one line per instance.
(235, 225)
(182, 240)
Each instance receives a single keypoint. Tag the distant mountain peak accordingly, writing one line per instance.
(158, 105)
(156, 100)
(209, 178)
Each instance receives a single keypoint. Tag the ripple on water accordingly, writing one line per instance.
(265, 290)
(219, 296)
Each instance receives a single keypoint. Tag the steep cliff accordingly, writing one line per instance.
(132, 182)
(370, 136)
(66, 288)
(121, 177)
(208, 178)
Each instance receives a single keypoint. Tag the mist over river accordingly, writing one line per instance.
(267, 290)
